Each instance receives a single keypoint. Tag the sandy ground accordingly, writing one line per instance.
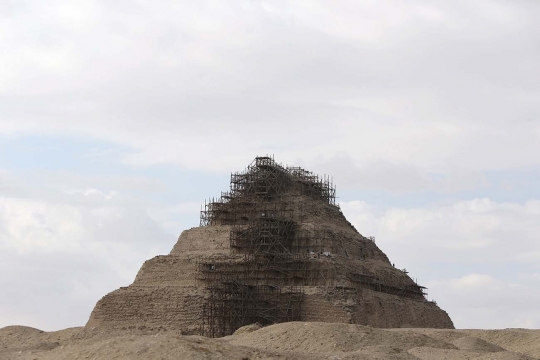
(296, 340)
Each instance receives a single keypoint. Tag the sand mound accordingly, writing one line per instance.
(22, 337)
(475, 344)
(379, 352)
(135, 345)
(519, 340)
(248, 329)
(296, 340)
(436, 354)
(314, 337)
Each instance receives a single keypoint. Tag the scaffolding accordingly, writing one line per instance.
(263, 288)
(274, 253)
(267, 269)
(248, 289)
(263, 177)
(263, 181)
(313, 185)
(413, 291)
(232, 305)
(312, 240)
(271, 232)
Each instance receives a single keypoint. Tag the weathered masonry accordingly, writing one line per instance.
(273, 248)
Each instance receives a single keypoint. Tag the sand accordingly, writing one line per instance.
(296, 340)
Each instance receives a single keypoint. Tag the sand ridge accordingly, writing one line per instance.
(294, 340)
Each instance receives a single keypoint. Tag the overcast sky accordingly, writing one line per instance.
(118, 118)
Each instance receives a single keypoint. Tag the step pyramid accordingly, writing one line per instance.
(274, 248)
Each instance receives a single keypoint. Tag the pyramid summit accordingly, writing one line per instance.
(274, 248)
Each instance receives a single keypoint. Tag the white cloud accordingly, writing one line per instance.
(52, 291)
(394, 177)
(208, 85)
(472, 281)
(39, 226)
(80, 253)
(30, 226)
(174, 218)
(471, 230)
(94, 193)
(483, 301)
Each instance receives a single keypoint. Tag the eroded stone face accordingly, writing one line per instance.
(273, 249)
(204, 240)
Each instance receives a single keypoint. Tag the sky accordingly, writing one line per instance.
(119, 118)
